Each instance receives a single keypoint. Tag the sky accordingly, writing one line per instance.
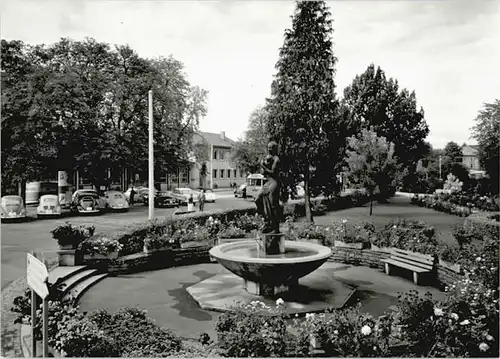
(447, 51)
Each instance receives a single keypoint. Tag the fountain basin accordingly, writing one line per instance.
(275, 271)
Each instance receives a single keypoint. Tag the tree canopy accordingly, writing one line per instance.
(486, 132)
(83, 105)
(303, 101)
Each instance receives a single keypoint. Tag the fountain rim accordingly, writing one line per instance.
(323, 253)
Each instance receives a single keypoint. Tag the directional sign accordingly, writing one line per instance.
(37, 276)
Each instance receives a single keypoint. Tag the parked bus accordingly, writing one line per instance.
(34, 190)
(255, 182)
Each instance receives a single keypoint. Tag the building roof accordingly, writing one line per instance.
(214, 139)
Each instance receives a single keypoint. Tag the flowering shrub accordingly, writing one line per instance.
(253, 330)
(348, 232)
(153, 241)
(464, 325)
(135, 334)
(101, 244)
(480, 262)
(231, 231)
(306, 232)
(249, 223)
(349, 332)
(68, 234)
(409, 235)
(213, 226)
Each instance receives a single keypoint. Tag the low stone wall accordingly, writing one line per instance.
(139, 262)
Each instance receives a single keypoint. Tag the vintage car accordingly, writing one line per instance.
(86, 202)
(209, 195)
(12, 208)
(48, 206)
(139, 194)
(116, 201)
(162, 199)
(181, 195)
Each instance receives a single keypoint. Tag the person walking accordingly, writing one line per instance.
(132, 194)
(190, 203)
(201, 200)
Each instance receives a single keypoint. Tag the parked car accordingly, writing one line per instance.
(181, 195)
(209, 195)
(241, 191)
(140, 192)
(12, 208)
(116, 201)
(86, 202)
(49, 206)
(162, 199)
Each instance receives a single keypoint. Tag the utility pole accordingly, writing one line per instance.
(151, 160)
(440, 163)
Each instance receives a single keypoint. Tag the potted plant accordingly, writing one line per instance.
(69, 237)
(100, 247)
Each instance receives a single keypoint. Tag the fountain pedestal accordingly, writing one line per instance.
(271, 243)
(266, 289)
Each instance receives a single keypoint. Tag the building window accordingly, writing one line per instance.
(234, 173)
(214, 174)
(221, 173)
(222, 154)
(185, 176)
(228, 173)
(215, 154)
(241, 174)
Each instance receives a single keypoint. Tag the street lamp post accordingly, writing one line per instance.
(151, 159)
(440, 175)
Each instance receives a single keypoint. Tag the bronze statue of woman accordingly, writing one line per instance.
(267, 201)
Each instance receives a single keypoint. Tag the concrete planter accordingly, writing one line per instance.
(148, 250)
(112, 255)
(67, 257)
(361, 245)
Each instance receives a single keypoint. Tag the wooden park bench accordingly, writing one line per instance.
(416, 262)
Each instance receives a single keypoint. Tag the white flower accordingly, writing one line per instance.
(279, 302)
(366, 330)
(465, 322)
(438, 312)
(489, 338)
(484, 347)
(336, 332)
(344, 221)
(454, 316)
(310, 316)
(478, 259)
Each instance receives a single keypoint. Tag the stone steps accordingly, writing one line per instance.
(73, 281)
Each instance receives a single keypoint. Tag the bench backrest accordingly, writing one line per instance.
(417, 259)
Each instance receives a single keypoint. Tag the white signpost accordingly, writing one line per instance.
(37, 276)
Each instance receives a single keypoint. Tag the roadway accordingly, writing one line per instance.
(17, 239)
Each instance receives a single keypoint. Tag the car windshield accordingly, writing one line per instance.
(49, 199)
(118, 196)
(11, 200)
(208, 191)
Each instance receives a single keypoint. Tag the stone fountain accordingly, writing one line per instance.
(269, 266)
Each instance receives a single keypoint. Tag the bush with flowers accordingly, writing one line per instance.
(100, 244)
(257, 330)
(350, 332)
(231, 231)
(249, 223)
(350, 232)
(410, 235)
(158, 242)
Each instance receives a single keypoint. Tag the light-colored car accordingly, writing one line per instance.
(87, 202)
(140, 192)
(49, 206)
(209, 195)
(12, 208)
(181, 195)
(116, 201)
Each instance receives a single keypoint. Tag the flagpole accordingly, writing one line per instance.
(151, 159)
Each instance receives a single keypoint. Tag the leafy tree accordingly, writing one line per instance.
(453, 152)
(371, 162)
(249, 150)
(302, 98)
(378, 102)
(486, 133)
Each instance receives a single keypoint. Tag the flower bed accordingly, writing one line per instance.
(458, 204)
